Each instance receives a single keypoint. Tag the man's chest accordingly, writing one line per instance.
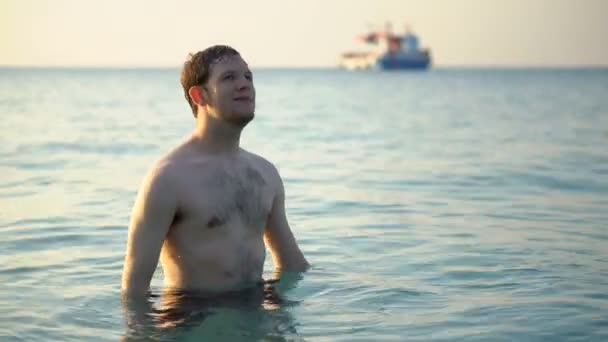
(219, 197)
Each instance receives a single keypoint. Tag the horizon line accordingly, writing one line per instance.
(309, 67)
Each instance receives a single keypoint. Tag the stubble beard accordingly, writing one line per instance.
(240, 121)
(235, 119)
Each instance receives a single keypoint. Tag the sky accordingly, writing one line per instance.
(302, 33)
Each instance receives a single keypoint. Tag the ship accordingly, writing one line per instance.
(389, 51)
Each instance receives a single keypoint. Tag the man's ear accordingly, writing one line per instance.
(198, 96)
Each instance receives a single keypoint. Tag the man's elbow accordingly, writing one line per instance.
(133, 286)
(130, 292)
(295, 265)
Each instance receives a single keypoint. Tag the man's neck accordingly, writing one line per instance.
(217, 136)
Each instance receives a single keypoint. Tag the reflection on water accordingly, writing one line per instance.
(259, 312)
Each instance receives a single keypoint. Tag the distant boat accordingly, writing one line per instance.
(390, 52)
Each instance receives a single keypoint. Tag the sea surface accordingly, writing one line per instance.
(448, 205)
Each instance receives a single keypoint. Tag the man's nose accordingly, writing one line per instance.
(243, 83)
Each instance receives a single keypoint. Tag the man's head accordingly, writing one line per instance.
(218, 81)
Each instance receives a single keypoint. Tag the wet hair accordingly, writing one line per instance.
(197, 68)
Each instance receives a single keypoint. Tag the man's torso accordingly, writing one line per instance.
(215, 242)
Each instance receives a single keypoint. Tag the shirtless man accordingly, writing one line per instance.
(207, 207)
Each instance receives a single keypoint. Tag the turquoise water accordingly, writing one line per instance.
(449, 205)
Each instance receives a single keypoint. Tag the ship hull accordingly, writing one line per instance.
(389, 63)
(420, 62)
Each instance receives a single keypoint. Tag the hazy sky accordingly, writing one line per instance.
(299, 33)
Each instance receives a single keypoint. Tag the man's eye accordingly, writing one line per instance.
(229, 77)
(249, 77)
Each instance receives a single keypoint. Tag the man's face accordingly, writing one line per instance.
(230, 91)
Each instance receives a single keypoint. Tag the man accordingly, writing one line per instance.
(207, 207)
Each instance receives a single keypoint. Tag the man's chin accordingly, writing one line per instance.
(241, 120)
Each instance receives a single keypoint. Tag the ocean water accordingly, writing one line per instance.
(444, 205)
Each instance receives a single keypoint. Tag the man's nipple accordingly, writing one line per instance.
(214, 222)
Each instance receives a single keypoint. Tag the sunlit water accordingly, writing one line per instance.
(446, 205)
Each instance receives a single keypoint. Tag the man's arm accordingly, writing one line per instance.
(279, 238)
(151, 219)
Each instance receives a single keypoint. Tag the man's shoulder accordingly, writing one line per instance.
(160, 173)
(169, 164)
(262, 163)
(166, 168)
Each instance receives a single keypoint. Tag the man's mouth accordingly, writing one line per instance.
(242, 98)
